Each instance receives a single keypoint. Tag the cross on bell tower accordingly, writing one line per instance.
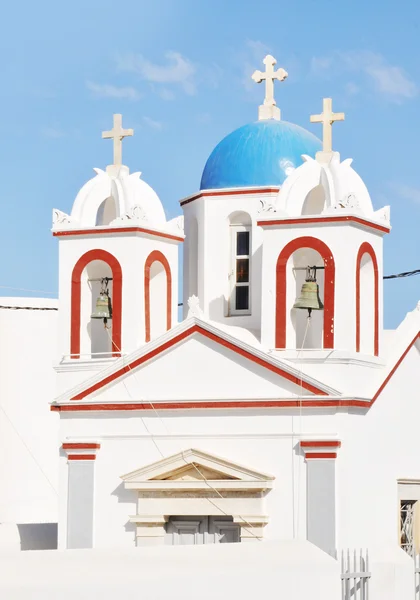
(269, 110)
(327, 118)
(117, 134)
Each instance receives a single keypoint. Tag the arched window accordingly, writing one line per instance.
(88, 336)
(240, 264)
(107, 212)
(157, 295)
(367, 298)
(290, 275)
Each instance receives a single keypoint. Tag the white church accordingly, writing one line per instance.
(278, 408)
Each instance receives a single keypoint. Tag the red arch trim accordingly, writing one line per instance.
(329, 287)
(115, 267)
(366, 248)
(157, 256)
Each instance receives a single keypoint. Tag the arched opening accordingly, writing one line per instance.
(192, 257)
(315, 201)
(98, 332)
(308, 332)
(297, 254)
(240, 263)
(107, 212)
(157, 295)
(367, 298)
(87, 335)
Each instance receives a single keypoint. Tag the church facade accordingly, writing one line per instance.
(277, 408)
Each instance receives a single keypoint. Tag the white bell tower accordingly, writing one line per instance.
(324, 218)
(117, 234)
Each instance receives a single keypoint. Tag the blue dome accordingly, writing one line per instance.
(258, 154)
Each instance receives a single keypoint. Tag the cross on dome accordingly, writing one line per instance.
(117, 134)
(269, 110)
(327, 118)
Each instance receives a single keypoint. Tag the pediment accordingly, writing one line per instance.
(198, 365)
(192, 470)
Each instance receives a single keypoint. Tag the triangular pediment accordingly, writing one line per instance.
(194, 472)
(192, 469)
(197, 362)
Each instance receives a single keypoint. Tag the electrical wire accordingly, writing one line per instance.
(27, 448)
(308, 322)
(406, 274)
(182, 451)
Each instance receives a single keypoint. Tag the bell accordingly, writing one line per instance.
(103, 308)
(309, 296)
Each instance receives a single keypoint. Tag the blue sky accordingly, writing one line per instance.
(179, 72)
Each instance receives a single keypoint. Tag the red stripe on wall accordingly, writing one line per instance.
(310, 455)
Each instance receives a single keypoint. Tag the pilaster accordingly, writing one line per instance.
(81, 458)
(320, 456)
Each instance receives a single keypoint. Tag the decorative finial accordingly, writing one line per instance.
(327, 118)
(269, 110)
(194, 309)
(117, 134)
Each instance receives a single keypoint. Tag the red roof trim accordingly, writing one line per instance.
(178, 338)
(285, 403)
(112, 230)
(205, 193)
(312, 220)
(397, 364)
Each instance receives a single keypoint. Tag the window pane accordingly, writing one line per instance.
(242, 270)
(242, 297)
(242, 243)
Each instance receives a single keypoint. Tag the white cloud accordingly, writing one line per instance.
(53, 132)
(106, 90)
(158, 125)
(389, 80)
(166, 94)
(320, 64)
(407, 192)
(178, 70)
(352, 88)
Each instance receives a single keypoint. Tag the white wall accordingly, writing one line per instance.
(378, 449)
(267, 442)
(28, 430)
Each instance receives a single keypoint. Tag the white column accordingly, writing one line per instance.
(81, 492)
(320, 456)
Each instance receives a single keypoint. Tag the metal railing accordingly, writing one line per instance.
(355, 575)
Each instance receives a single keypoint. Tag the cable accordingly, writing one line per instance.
(406, 274)
(28, 449)
(28, 308)
(308, 322)
(182, 451)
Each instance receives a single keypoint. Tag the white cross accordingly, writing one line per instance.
(269, 76)
(327, 118)
(117, 134)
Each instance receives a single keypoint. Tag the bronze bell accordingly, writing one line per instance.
(309, 296)
(103, 308)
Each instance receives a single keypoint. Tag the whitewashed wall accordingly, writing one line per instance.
(28, 430)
